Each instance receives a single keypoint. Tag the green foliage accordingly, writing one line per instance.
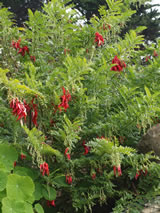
(49, 193)
(39, 208)
(14, 206)
(7, 157)
(20, 188)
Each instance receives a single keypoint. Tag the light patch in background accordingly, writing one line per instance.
(155, 2)
(155, 7)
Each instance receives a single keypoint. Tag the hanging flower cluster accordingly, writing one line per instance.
(16, 45)
(140, 173)
(18, 109)
(115, 169)
(155, 54)
(147, 58)
(69, 179)
(51, 203)
(44, 168)
(22, 50)
(21, 109)
(27, 106)
(119, 64)
(33, 58)
(93, 176)
(99, 39)
(67, 154)
(15, 163)
(86, 148)
(65, 98)
(23, 156)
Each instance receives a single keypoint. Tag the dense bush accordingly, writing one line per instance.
(75, 101)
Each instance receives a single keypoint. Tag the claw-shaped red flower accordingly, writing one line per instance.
(23, 156)
(67, 154)
(99, 39)
(65, 98)
(119, 64)
(23, 50)
(16, 45)
(115, 169)
(86, 148)
(51, 203)
(33, 58)
(44, 169)
(93, 176)
(68, 179)
(18, 109)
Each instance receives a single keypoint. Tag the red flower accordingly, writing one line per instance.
(21, 109)
(140, 172)
(155, 54)
(23, 156)
(34, 116)
(51, 203)
(18, 109)
(52, 122)
(68, 179)
(137, 175)
(86, 148)
(99, 39)
(16, 45)
(117, 169)
(67, 154)
(147, 58)
(93, 176)
(119, 64)
(44, 169)
(12, 103)
(15, 163)
(65, 98)
(23, 50)
(33, 58)
(114, 170)
(109, 26)
(146, 172)
(28, 108)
